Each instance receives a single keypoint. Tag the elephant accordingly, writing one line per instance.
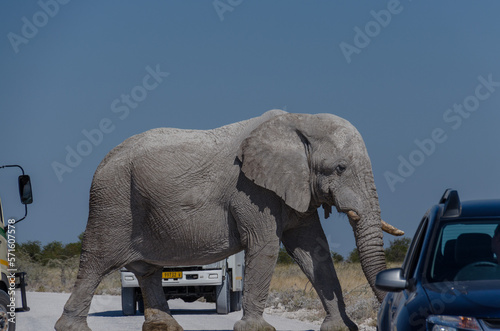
(170, 197)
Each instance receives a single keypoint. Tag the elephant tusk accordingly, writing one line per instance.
(353, 216)
(391, 229)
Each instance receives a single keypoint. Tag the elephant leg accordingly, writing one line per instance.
(260, 261)
(309, 248)
(74, 317)
(156, 311)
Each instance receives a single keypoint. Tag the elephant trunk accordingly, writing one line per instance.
(369, 241)
(368, 225)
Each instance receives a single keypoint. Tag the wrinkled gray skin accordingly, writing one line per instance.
(171, 197)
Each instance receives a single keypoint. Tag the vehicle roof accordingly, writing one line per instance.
(478, 208)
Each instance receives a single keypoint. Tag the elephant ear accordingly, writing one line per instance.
(274, 156)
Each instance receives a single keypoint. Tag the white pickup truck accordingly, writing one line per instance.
(220, 282)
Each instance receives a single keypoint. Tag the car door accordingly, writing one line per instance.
(401, 312)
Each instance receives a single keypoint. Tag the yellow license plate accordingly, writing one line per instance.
(171, 274)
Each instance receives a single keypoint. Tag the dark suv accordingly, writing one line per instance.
(450, 278)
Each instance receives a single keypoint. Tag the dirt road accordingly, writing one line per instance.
(106, 315)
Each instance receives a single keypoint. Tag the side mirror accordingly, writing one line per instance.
(391, 280)
(25, 189)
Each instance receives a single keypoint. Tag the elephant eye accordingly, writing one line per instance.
(340, 169)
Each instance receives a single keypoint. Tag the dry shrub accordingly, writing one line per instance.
(110, 285)
(291, 291)
(59, 275)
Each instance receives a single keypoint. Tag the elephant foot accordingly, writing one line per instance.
(158, 320)
(335, 324)
(253, 324)
(68, 323)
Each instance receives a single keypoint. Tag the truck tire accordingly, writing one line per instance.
(223, 296)
(191, 298)
(129, 301)
(4, 317)
(236, 300)
(140, 304)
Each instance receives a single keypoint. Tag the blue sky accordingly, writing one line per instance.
(420, 81)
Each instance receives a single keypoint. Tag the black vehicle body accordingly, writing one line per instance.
(431, 291)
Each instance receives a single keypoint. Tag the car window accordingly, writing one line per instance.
(413, 254)
(466, 251)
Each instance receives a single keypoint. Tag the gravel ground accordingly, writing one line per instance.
(106, 315)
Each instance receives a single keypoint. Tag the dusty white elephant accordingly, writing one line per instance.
(170, 197)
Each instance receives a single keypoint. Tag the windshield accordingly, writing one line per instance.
(466, 251)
